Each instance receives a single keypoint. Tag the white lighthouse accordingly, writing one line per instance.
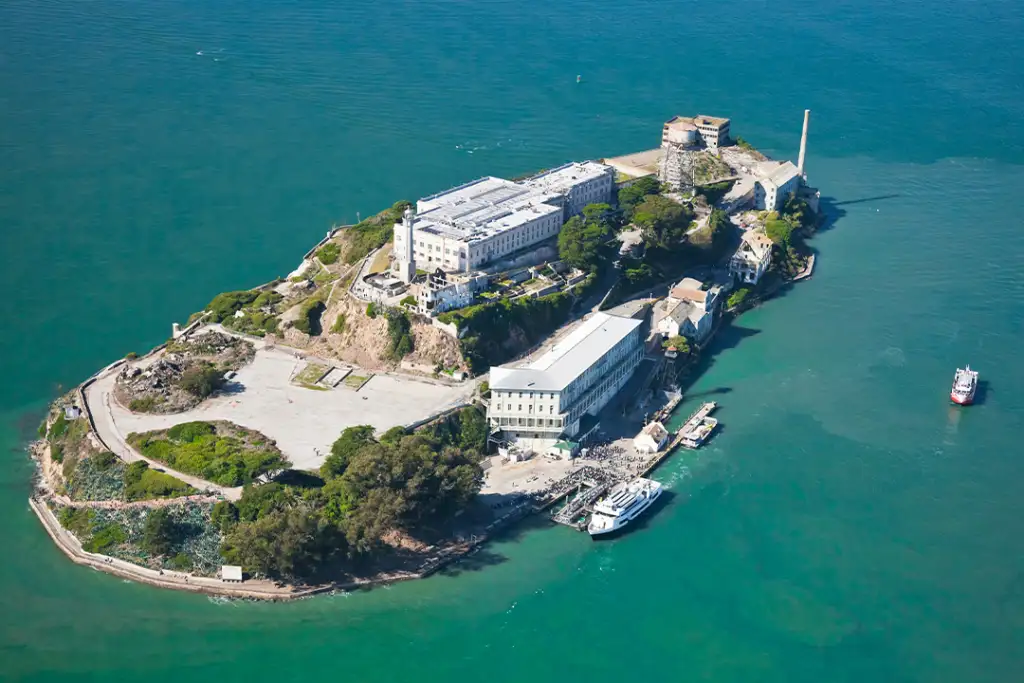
(406, 261)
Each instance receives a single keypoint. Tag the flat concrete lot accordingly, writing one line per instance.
(302, 420)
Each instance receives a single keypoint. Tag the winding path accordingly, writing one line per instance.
(98, 399)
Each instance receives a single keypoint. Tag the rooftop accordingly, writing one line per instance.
(758, 242)
(704, 119)
(569, 358)
(782, 174)
(564, 178)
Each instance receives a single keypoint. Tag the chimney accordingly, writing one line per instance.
(803, 143)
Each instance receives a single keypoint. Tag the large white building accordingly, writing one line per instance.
(470, 226)
(578, 183)
(539, 403)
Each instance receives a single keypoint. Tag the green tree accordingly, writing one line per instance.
(259, 501)
(285, 544)
(473, 430)
(158, 532)
(662, 222)
(400, 339)
(681, 343)
(580, 242)
(224, 515)
(344, 449)
(634, 193)
(393, 435)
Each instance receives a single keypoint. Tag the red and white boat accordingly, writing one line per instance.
(965, 383)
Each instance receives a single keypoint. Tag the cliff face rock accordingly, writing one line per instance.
(364, 341)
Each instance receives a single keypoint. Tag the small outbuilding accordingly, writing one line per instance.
(231, 573)
(651, 438)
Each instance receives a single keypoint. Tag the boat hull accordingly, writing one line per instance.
(602, 534)
(962, 400)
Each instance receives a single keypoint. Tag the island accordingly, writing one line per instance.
(428, 376)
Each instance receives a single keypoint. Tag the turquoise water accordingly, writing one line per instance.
(846, 525)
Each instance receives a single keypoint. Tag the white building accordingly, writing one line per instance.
(467, 227)
(651, 438)
(541, 402)
(579, 183)
(440, 293)
(752, 258)
(772, 189)
(689, 310)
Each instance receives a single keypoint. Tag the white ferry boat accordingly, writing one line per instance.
(625, 503)
(965, 383)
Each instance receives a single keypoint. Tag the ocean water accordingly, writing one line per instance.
(846, 525)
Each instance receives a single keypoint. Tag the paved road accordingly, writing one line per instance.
(102, 406)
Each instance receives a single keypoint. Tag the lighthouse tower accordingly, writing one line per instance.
(406, 261)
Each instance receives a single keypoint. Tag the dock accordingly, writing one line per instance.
(587, 485)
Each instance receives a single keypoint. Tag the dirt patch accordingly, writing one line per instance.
(157, 386)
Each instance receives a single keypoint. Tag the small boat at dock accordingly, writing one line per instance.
(965, 384)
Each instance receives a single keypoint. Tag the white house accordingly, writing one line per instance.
(689, 310)
(752, 258)
(773, 188)
(651, 438)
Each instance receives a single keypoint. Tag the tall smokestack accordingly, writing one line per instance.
(803, 143)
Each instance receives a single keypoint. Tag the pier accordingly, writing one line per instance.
(586, 485)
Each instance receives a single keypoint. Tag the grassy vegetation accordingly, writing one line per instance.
(145, 404)
(738, 298)
(356, 381)
(339, 324)
(311, 373)
(221, 453)
(329, 253)
(309, 316)
(143, 483)
(372, 233)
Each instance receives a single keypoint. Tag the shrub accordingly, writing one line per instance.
(329, 253)
(224, 515)
(157, 532)
(409, 301)
(105, 538)
(371, 310)
(225, 305)
(339, 324)
(131, 355)
(57, 452)
(59, 427)
(76, 520)
(400, 341)
(103, 461)
(181, 562)
(201, 380)
(308, 321)
(187, 432)
(152, 484)
(738, 297)
(222, 459)
(133, 473)
(143, 405)
(778, 231)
